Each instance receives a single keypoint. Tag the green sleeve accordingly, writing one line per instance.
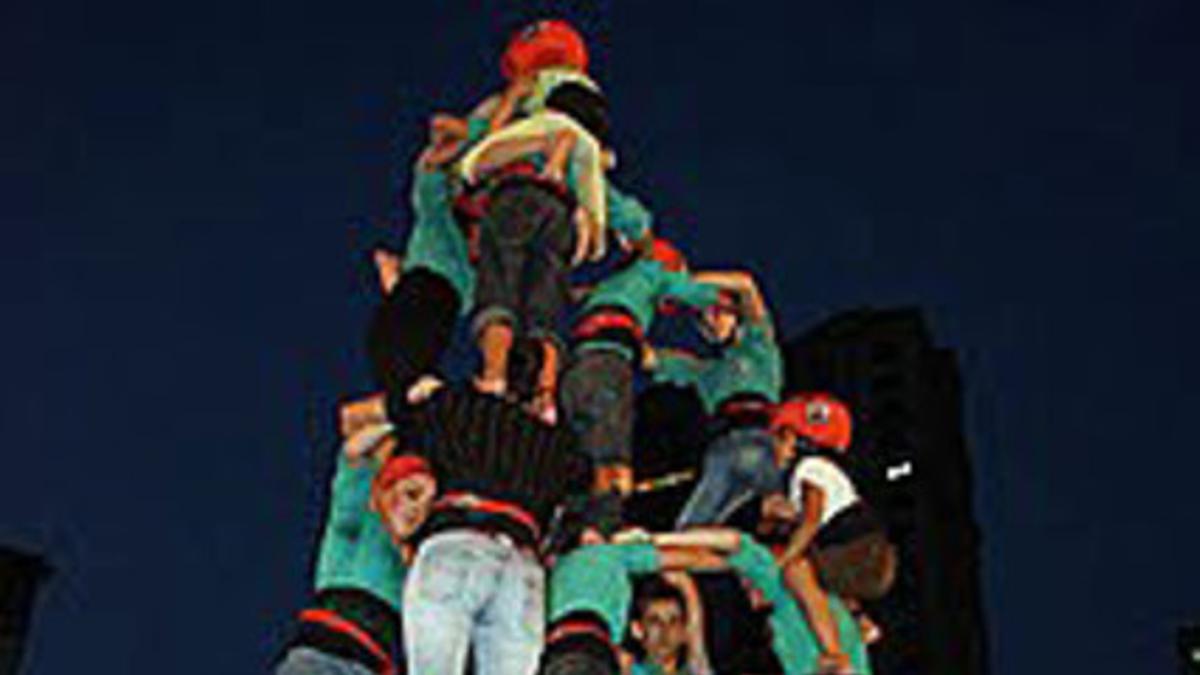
(626, 215)
(682, 287)
(477, 128)
(680, 370)
(640, 558)
(350, 497)
(430, 192)
(755, 562)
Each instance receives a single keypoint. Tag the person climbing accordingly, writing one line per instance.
(840, 546)
(476, 580)
(608, 340)
(796, 646)
(737, 388)
(539, 178)
(353, 625)
(435, 278)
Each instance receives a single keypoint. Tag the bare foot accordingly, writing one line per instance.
(544, 407)
(494, 387)
(388, 265)
(424, 388)
(871, 631)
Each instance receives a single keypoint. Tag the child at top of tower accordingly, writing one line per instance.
(540, 183)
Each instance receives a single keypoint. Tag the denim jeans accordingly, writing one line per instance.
(738, 465)
(311, 661)
(526, 239)
(596, 394)
(469, 589)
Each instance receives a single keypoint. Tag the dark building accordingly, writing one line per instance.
(21, 575)
(909, 459)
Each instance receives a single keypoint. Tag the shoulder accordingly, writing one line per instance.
(816, 469)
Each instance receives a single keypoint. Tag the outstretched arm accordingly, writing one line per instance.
(503, 113)
(812, 500)
(718, 539)
(561, 145)
(741, 284)
(697, 651)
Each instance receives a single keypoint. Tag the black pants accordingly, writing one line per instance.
(596, 394)
(526, 240)
(411, 329)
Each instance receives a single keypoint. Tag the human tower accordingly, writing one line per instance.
(477, 526)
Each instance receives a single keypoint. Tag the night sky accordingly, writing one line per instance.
(187, 194)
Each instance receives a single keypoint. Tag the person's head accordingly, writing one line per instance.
(578, 654)
(551, 43)
(719, 323)
(402, 494)
(814, 418)
(661, 621)
(587, 106)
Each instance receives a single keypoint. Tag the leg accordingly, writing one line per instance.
(508, 637)
(545, 398)
(801, 580)
(495, 344)
(717, 485)
(738, 465)
(546, 284)
(401, 349)
(754, 466)
(505, 233)
(442, 595)
(863, 568)
(596, 395)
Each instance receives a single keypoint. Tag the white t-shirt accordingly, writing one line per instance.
(825, 474)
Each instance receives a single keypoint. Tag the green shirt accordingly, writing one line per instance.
(436, 242)
(627, 216)
(751, 365)
(356, 551)
(596, 578)
(639, 288)
(792, 639)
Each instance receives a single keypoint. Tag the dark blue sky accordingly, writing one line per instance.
(184, 192)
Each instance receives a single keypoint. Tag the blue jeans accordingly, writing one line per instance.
(738, 465)
(310, 661)
(471, 589)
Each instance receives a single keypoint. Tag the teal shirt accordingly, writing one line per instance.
(639, 288)
(436, 242)
(792, 639)
(596, 578)
(626, 215)
(356, 551)
(752, 365)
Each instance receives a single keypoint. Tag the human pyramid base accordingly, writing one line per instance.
(478, 526)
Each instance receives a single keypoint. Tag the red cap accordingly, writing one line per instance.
(544, 44)
(398, 468)
(670, 257)
(819, 417)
